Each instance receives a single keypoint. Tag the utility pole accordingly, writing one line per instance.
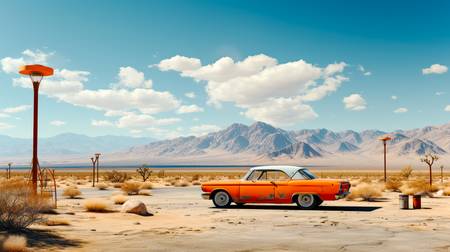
(385, 139)
(93, 170)
(97, 155)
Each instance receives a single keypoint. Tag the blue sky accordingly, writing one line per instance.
(125, 67)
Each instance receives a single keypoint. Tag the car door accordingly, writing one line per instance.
(283, 191)
(257, 189)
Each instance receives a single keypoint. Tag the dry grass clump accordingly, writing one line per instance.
(146, 185)
(119, 199)
(406, 172)
(71, 192)
(181, 183)
(418, 187)
(196, 182)
(116, 177)
(145, 192)
(365, 192)
(131, 187)
(102, 186)
(19, 207)
(15, 243)
(56, 222)
(96, 205)
(117, 185)
(393, 184)
(446, 191)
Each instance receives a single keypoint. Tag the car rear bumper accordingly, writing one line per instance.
(206, 196)
(341, 195)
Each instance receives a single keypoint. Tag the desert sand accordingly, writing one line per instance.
(183, 221)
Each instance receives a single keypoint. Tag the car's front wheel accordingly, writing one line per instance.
(221, 199)
(307, 201)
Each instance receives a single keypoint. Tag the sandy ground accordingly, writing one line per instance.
(185, 222)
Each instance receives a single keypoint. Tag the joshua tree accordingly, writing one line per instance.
(144, 172)
(429, 159)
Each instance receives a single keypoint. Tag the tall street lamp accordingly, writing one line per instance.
(97, 155)
(385, 139)
(36, 73)
(8, 172)
(94, 160)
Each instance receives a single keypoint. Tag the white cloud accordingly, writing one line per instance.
(447, 108)
(439, 93)
(179, 63)
(281, 111)
(435, 69)
(132, 78)
(17, 109)
(190, 95)
(355, 102)
(4, 126)
(133, 120)
(101, 123)
(57, 123)
(259, 80)
(203, 129)
(394, 97)
(11, 65)
(189, 109)
(401, 110)
(165, 133)
(363, 71)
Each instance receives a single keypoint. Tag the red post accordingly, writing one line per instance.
(35, 164)
(93, 171)
(384, 143)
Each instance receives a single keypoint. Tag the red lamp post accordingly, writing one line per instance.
(97, 155)
(385, 139)
(36, 73)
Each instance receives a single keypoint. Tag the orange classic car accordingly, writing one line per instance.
(276, 185)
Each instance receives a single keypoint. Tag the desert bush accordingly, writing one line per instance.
(144, 172)
(56, 222)
(117, 185)
(181, 183)
(102, 186)
(96, 205)
(71, 192)
(131, 187)
(146, 185)
(446, 191)
(145, 192)
(196, 182)
(19, 206)
(365, 191)
(418, 187)
(195, 177)
(15, 243)
(116, 177)
(119, 199)
(406, 172)
(161, 174)
(393, 184)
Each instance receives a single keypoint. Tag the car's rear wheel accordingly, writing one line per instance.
(307, 201)
(221, 199)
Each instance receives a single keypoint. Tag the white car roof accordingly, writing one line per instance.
(288, 169)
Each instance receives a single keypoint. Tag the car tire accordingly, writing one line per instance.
(221, 199)
(307, 201)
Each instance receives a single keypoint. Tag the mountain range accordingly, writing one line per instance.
(259, 143)
(263, 143)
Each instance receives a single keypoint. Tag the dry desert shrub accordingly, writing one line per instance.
(102, 186)
(418, 187)
(15, 243)
(117, 185)
(56, 222)
(71, 192)
(116, 177)
(146, 185)
(96, 205)
(119, 199)
(406, 172)
(446, 191)
(19, 206)
(196, 182)
(145, 192)
(365, 192)
(181, 183)
(393, 184)
(131, 187)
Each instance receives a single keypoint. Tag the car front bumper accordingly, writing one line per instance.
(206, 196)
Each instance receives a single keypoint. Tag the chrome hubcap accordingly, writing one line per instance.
(221, 198)
(306, 200)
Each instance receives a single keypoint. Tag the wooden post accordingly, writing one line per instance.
(93, 171)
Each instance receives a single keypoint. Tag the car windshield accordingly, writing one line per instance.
(303, 174)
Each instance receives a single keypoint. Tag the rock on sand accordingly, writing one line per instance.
(135, 207)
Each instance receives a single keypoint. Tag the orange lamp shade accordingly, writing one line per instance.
(385, 138)
(36, 70)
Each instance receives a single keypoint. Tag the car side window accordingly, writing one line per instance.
(298, 176)
(255, 175)
(277, 176)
